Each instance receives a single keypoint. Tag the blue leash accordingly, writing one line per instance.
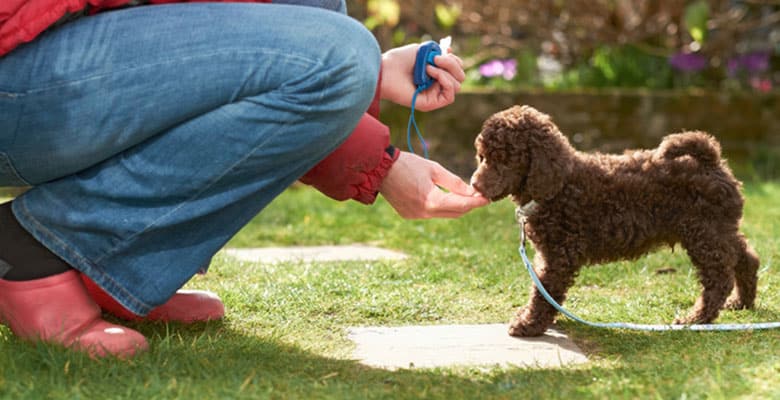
(521, 215)
(425, 56)
(413, 122)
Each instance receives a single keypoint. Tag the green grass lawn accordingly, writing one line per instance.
(285, 331)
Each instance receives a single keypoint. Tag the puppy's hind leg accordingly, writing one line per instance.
(714, 256)
(535, 317)
(745, 276)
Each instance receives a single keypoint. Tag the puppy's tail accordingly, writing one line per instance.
(695, 144)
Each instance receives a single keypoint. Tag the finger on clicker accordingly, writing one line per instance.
(451, 64)
(460, 60)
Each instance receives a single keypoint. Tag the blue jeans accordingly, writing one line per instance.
(152, 134)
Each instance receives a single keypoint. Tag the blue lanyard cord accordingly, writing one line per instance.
(413, 122)
(628, 325)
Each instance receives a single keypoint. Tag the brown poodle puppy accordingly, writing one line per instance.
(597, 208)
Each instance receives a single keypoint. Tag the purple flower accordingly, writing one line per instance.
(510, 69)
(491, 68)
(756, 62)
(688, 62)
(504, 68)
(752, 63)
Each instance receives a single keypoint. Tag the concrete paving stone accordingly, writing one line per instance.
(427, 346)
(273, 255)
(461, 345)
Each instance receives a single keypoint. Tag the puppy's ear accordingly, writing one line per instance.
(551, 158)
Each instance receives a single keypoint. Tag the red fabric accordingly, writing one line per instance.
(355, 169)
(185, 306)
(107, 302)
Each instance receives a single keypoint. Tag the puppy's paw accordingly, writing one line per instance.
(681, 321)
(523, 325)
(692, 319)
(735, 302)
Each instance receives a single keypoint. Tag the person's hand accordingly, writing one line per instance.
(413, 188)
(398, 82)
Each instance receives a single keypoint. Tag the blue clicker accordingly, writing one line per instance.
(425, 55)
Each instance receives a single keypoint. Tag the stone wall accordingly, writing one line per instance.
(747, 124)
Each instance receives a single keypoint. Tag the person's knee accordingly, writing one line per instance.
(360, 52)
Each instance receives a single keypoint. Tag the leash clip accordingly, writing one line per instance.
(521, 215)
(520, 219)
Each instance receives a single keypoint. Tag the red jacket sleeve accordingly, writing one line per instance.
(356, 168)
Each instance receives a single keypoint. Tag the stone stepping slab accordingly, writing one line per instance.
(427, 346)
(308, 254)
(461, 345)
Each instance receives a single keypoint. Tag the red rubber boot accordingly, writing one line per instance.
(58, 309)
(186, 306)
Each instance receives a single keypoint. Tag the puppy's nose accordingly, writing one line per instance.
(475, 185)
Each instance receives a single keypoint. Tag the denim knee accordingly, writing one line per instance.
(360, 51)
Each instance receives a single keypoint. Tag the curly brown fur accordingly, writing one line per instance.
(597, 208)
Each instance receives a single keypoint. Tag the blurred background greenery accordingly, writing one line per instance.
(613, 74)
(557, 44)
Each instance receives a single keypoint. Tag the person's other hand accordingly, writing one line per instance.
(398, 83)
(413, 187)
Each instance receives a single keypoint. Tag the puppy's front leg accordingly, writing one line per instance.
(534, 318)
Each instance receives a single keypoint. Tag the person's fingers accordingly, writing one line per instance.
(448, 180)
(446, 90)
(452, 84)
(441, 94)
(452, 64)
(460, 63)
(446, 94)
(451, 205)
(462, 204)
